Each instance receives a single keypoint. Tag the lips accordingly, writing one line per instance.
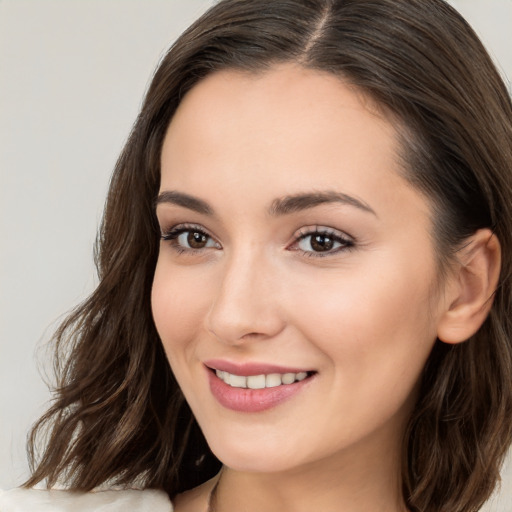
(254, 387)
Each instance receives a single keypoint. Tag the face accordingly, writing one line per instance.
(295, 286)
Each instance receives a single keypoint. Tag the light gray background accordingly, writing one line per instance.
(72, 77)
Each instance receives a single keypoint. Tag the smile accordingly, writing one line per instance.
(271, 380)
(254, 387)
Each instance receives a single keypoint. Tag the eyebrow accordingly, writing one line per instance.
(185, 200)
(299, 202)
(281, 206)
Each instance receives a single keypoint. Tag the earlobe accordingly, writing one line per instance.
(472, 287)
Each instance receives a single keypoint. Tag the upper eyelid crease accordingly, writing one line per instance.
(306, 231)
(346, 240)
(181, 228)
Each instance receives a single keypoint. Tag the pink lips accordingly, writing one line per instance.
(247, 369)
(251, 400)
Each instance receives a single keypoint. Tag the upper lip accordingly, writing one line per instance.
(247, 369)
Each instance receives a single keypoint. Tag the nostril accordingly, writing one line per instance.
(252, 335)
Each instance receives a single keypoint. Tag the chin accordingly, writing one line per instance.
(254, 463)
(254, 456)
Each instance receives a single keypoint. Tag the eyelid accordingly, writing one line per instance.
(347, 241)
(184, 226)
(172, 233)
(320, 228)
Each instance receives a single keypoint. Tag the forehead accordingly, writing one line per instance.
(240, 140)
(285, 117)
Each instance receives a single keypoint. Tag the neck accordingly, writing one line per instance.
(326, 485)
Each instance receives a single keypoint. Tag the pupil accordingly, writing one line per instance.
(322, 243)
(196, 240)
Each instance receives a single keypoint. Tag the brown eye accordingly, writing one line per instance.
(320, 243)
(188, 239)
(197, 240)
(323, 243)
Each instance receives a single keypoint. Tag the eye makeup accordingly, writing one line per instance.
(316, 241)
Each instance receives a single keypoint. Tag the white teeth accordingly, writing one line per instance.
(271, 380)
(237, 381)
(256, 382)
(288, 378)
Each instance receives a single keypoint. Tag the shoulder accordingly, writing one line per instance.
(39, 500)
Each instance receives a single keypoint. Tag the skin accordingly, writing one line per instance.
(363, 316)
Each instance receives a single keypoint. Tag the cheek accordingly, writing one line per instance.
(177, 303)
(376, 328)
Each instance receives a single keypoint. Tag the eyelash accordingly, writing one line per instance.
(346, 243)
(174, 233)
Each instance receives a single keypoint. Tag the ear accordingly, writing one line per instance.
(470, 292)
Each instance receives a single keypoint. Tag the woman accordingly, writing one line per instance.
(304, 296)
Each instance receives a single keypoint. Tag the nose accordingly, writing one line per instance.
(246, 303)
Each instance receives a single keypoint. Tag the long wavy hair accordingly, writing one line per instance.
(118, 415)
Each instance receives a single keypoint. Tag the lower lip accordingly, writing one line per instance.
(252, 400)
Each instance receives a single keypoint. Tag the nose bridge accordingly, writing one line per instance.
(244, 304)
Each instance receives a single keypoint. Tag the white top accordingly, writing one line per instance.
(42, 500)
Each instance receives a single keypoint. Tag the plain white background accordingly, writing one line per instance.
(72, 77)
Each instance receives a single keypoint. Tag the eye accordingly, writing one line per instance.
(322, 241)
(194, 240)
(190, 238)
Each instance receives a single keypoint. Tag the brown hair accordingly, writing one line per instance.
(119, 415)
